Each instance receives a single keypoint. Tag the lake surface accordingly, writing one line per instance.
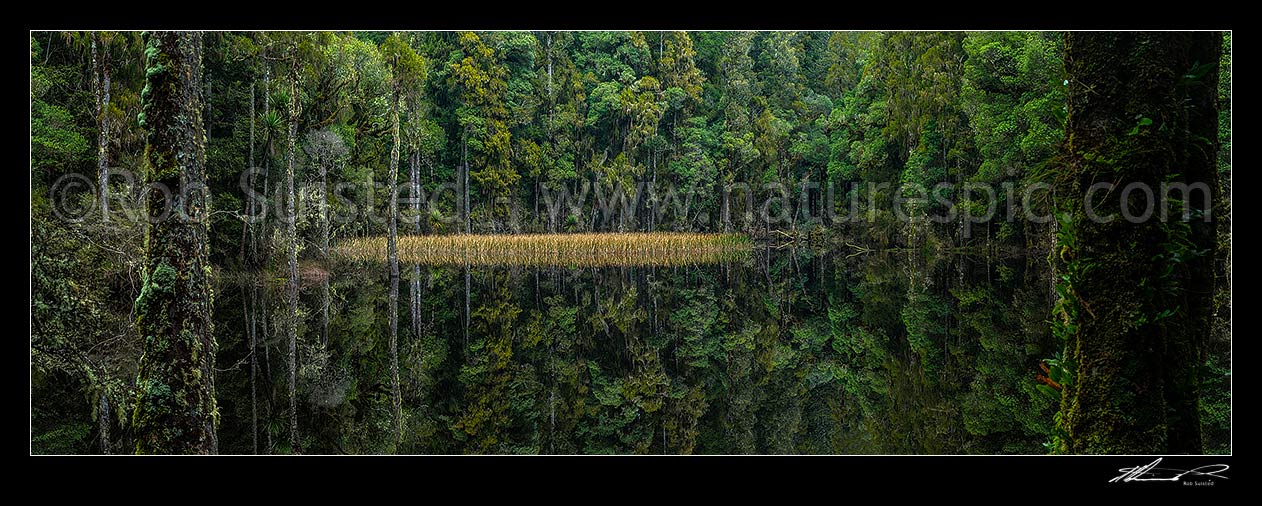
(786, 351)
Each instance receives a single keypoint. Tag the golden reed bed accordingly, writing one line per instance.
(575, 250)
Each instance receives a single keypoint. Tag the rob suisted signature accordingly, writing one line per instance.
(1151, 472)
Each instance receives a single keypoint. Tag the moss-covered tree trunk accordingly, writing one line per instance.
(175, 409)
(392, 254)
(1136, 292)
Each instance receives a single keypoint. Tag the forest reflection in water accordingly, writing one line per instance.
(786, 351)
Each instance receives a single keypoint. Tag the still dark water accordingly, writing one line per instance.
(789, 351)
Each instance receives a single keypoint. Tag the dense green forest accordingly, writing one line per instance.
(873, 316)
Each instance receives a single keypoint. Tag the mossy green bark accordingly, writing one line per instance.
(1137, 295)
(175, 410)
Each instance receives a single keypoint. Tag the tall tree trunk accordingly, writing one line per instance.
(416, 228)
(291, 229)
(416, 190)
(175, 409)
(1141, 110)
(267, 155)
(465, 162)
(392, 255)
(247, 228)
(103, 129)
